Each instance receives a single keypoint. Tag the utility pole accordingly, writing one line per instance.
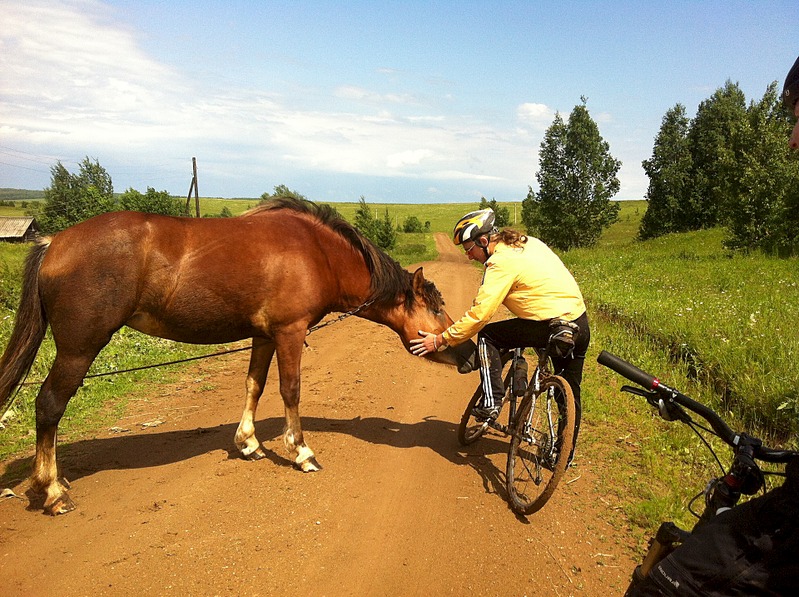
(193, 187)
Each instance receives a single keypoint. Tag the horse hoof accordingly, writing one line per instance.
(310, 465)
(256, 455)
(62, 505)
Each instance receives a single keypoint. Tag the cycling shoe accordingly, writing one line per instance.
(485, 413)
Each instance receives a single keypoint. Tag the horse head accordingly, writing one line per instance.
(426, 312)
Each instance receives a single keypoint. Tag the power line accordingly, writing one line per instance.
(21, 167)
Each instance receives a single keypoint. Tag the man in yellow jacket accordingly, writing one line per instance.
(527, 277)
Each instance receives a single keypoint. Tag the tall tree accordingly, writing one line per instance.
(385, 234)
(281, 190)
(761, 209)
(669, 171)
(716, 134)
(577, 179)
(365, 219)
(501, 214)
(380, 232)
(72, 198)
(530, 212)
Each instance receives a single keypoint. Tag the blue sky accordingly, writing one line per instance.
(401, 102)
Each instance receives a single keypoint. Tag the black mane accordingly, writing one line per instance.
(389, 279)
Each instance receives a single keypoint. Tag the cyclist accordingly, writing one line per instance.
(752, 548)
(526, 276)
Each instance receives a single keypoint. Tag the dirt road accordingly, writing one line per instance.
(166, 507)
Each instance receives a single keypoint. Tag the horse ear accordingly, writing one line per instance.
(418, 280)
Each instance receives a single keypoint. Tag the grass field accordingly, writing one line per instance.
(442, 216)
(728, 316)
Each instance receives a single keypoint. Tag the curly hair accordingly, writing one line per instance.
(511, 237)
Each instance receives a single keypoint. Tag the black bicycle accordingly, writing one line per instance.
(743, 477)
(541, 429)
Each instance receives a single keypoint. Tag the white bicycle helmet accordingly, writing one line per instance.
(473, 225)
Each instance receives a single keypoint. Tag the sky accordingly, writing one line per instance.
(399, 102)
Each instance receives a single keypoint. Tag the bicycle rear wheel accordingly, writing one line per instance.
(543, 438)
(470, 429)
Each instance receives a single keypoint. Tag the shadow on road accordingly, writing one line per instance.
(152, 449)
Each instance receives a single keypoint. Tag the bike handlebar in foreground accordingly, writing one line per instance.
(670, 395)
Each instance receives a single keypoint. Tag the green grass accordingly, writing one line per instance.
(651, 468)
(442, 216)
(100, 400)
(7, 194)
(624, 231)
(729, 316)
(713, 324)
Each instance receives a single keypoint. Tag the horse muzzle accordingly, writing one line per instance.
(463, 356)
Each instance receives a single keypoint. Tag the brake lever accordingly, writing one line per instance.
(668, 410)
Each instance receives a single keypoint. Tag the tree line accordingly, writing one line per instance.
(729, 166)
(74, 197)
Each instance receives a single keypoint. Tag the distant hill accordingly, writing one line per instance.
(20, 195)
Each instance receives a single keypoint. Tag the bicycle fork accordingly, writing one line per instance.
(668, 537)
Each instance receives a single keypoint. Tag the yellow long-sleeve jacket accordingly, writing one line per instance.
(531, 281)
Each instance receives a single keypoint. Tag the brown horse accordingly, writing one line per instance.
(269, 275)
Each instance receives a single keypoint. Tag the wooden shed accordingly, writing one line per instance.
(18, 230)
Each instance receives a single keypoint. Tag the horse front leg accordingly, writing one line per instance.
(260, 359)
(289, 355)
(61, 384)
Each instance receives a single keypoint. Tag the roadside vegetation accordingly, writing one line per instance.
(714, 324)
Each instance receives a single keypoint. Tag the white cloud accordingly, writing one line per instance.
(75, 80)
(535, 115)
(364, 95)
(408, 157)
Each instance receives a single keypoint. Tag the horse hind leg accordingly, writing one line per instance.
(62, 382)
(260, 359)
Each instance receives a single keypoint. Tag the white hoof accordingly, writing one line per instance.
(306, 460)
(309, 466)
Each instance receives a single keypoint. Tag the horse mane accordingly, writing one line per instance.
(389, 279)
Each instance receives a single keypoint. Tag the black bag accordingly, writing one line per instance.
(749, 550)
(520, 378)
(562, 335)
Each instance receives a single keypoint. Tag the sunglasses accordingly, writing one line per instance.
(469, 250)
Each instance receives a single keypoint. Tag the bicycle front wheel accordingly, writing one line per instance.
(543, 438)
(470, 429)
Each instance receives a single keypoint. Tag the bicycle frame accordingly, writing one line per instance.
(540, 427)
(541, 371)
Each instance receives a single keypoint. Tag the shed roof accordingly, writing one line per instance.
(14, 227)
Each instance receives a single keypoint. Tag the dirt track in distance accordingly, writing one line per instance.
(399, 508)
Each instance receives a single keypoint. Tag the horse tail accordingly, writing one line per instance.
(30, 326)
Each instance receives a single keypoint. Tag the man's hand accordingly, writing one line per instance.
(426, 344)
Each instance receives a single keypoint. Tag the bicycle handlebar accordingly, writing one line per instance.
(652, 383)
(628, 370)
